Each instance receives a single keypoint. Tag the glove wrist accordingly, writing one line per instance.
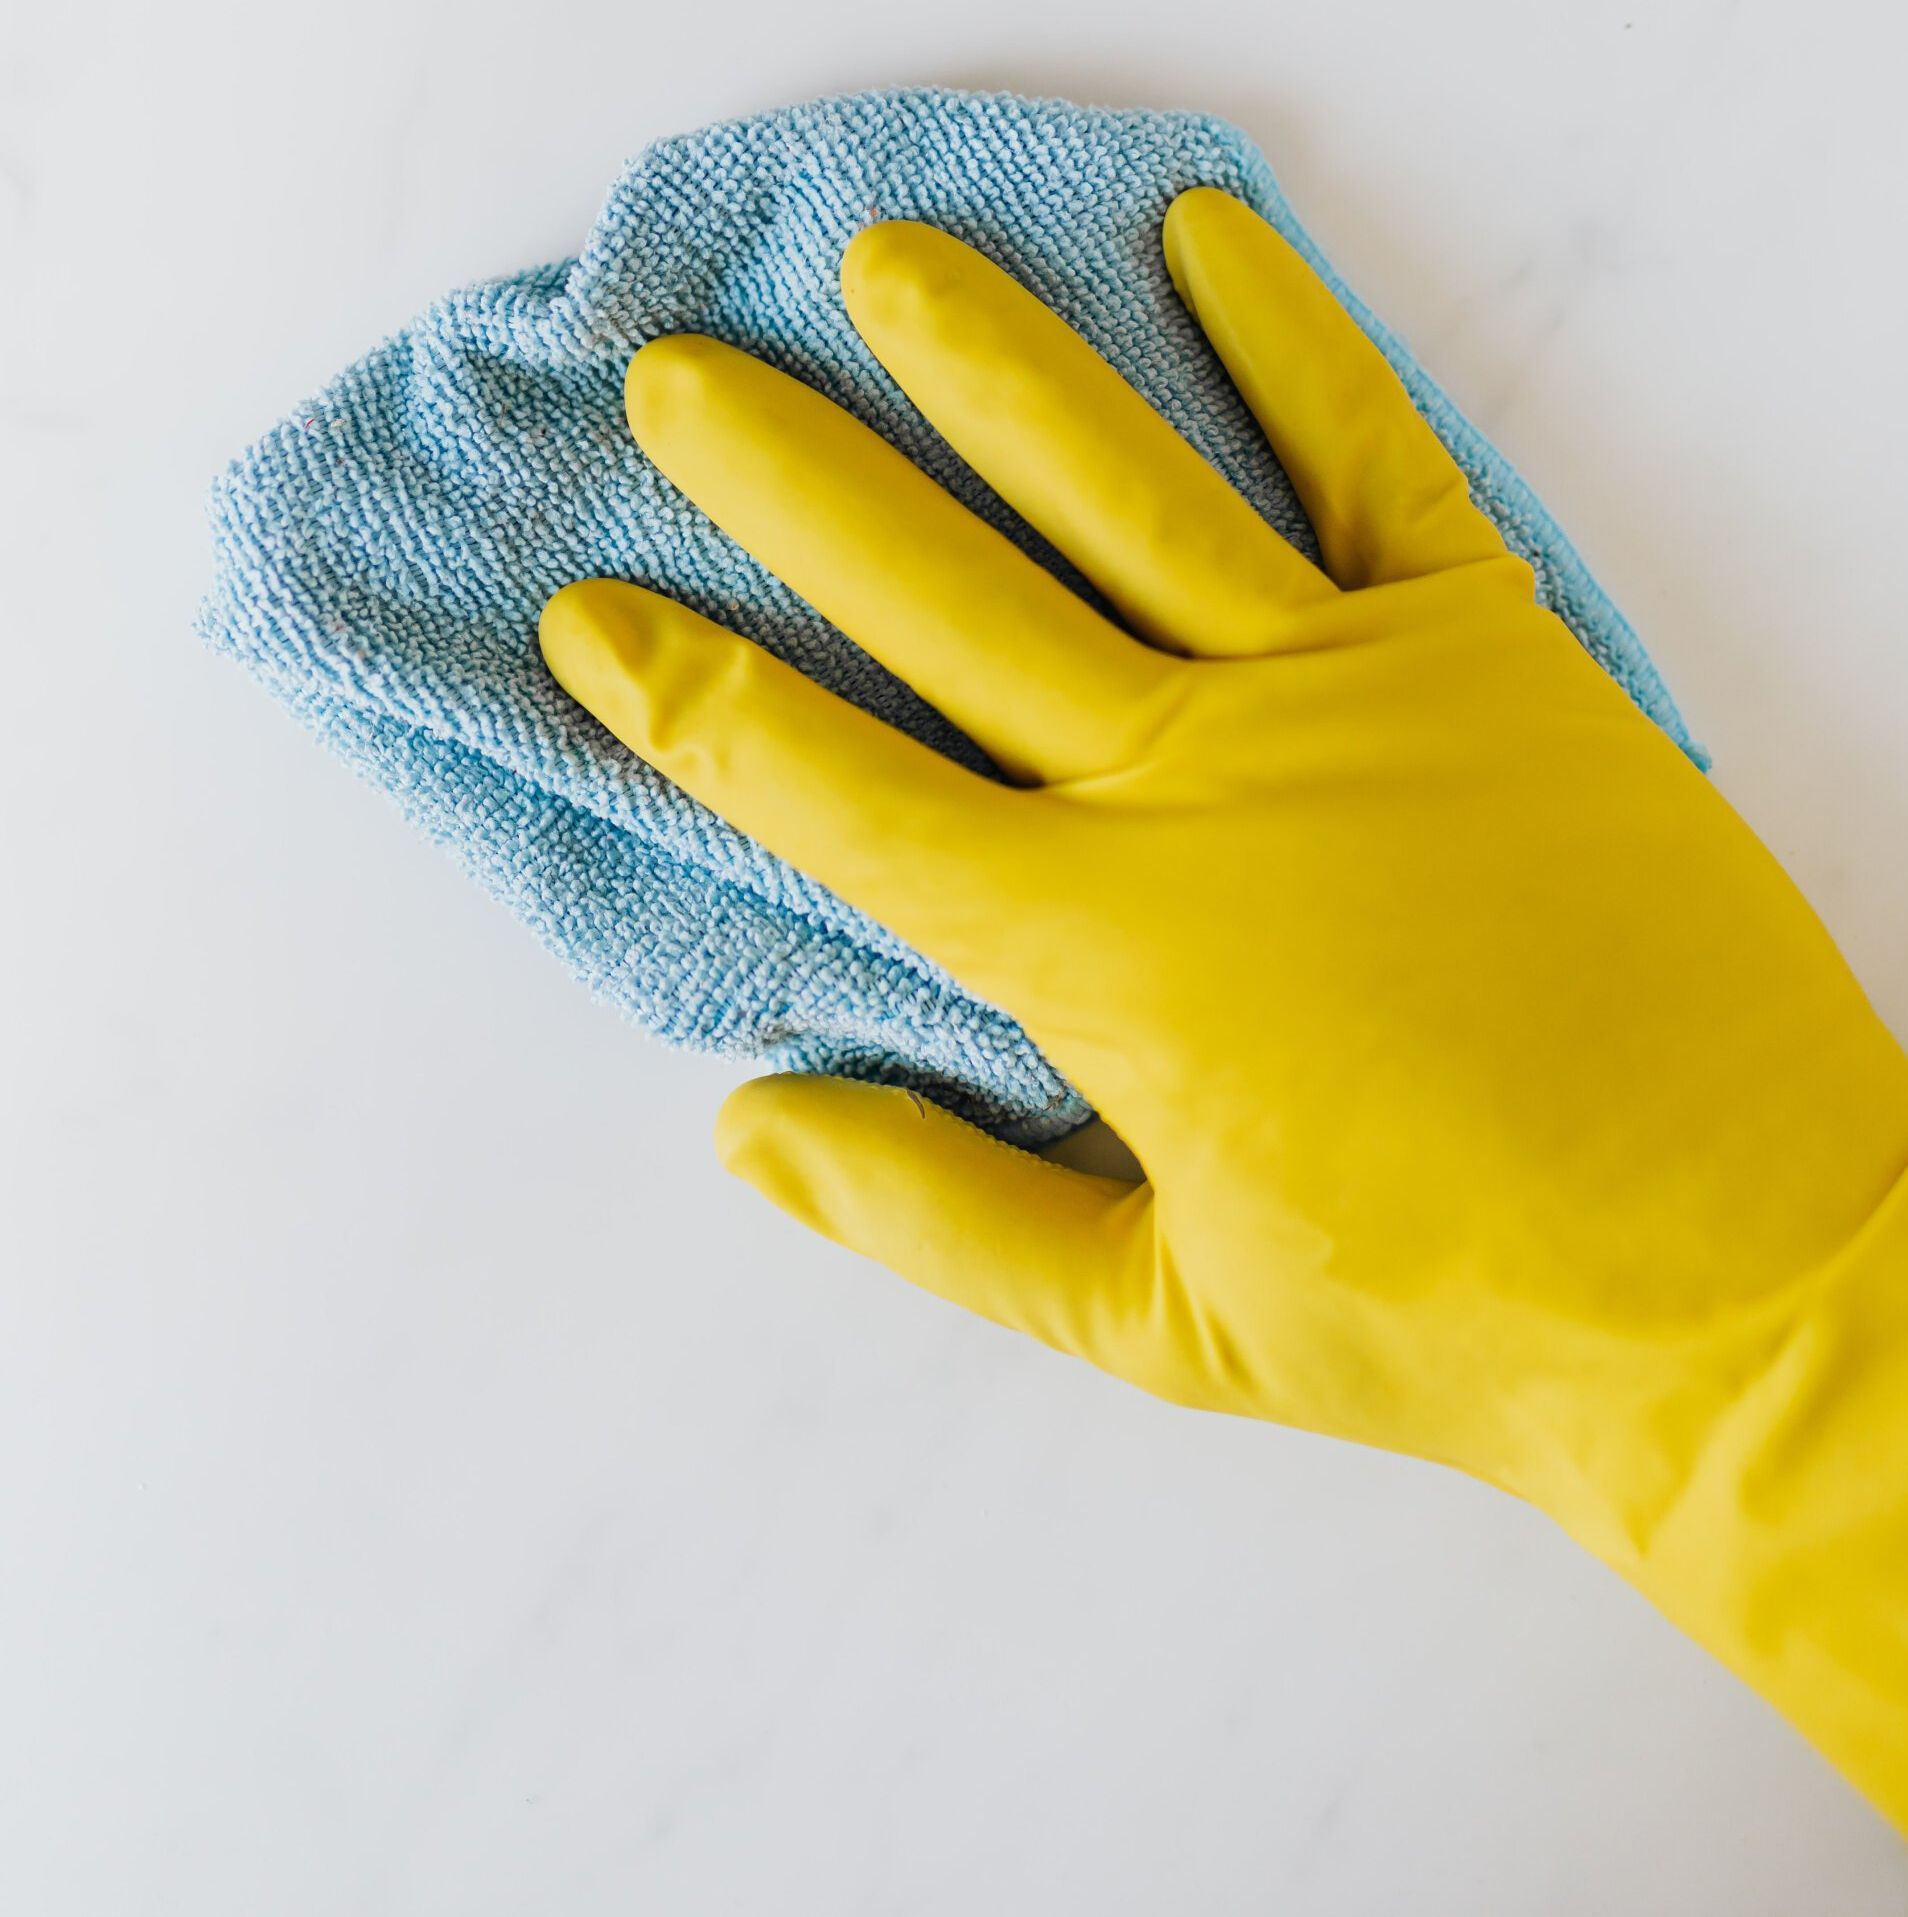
(1785, 1549)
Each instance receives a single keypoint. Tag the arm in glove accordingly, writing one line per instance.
(1500, 1099)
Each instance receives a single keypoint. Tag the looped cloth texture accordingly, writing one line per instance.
(382, 555)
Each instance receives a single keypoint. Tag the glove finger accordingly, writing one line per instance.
(1188, 564)
(1062, 1255)
(929, 848)
(1385, 498)
(1042, 682)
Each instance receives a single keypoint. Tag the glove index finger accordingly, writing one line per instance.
(888, 823)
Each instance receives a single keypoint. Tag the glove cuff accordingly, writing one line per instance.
(1786, 1552)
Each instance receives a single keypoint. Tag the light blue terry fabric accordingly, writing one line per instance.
(382, 555)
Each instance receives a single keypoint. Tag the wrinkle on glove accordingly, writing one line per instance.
(383, 554)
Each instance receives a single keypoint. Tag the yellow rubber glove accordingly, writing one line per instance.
(1500, 1099)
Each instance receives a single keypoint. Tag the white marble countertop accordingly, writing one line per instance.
(426, 1485)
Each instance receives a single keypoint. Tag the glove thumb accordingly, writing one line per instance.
(1063, 1255)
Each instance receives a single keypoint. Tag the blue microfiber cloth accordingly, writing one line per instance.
(383, 554)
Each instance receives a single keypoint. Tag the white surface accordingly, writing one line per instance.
(426, 1485)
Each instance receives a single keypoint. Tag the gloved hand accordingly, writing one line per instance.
(1500, 1099)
